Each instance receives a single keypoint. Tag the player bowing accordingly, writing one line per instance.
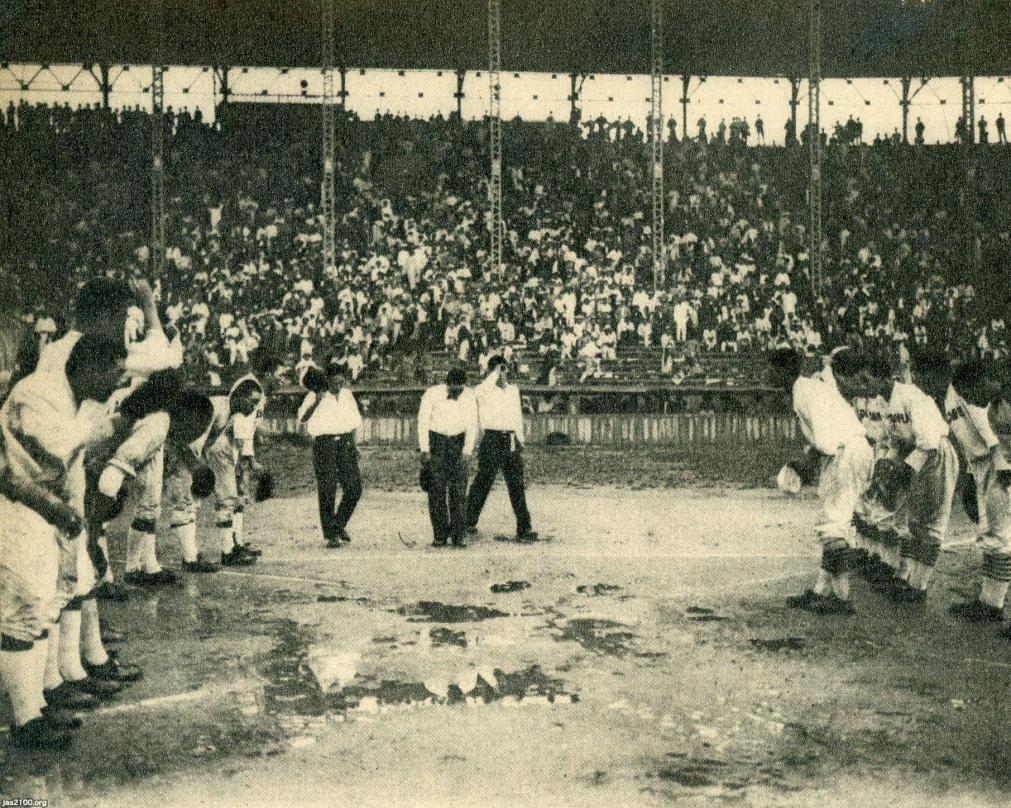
(831, 428)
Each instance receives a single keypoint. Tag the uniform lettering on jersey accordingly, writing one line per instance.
(955, 414)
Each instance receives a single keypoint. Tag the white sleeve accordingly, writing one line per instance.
(802, 408)
(357, 412)
(518, 416)
(470, 436)
(244, 430)
(927, 439)
(307, 402)
(150, 355)
(425, 418)
(980, 418)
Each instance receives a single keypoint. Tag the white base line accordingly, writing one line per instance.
(172, 700)
(345, 557)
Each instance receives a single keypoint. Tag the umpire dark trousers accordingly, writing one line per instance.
(447, 487)
(335, 462)
(496, 452)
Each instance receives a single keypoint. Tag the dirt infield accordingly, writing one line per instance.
(639, 654)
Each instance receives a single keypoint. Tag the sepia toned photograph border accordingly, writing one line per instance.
(505, 403)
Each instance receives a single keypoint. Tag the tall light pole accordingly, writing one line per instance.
(495, 223)
(656, 145)
(814, 147)
(328, 191)
(158, 139)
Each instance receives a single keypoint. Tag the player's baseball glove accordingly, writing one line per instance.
(788, 480)
(807, 467)
(203, 482)
(154, 395)
(891, 478)
(191, 415)
(969, 499)
(264, 487)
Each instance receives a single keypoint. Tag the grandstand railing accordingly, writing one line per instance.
(615, 430)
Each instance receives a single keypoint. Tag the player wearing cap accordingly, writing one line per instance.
(872, 519)
(225, 453)
(967, 409)
(925, 464)
(331, 417)
(832, 429)
(447, 432)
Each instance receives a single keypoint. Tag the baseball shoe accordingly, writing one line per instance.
(200, 565)
(471, 531)
(1006, 632)
(236, 558)
(101, 689)
(68, 697)
(459, 541)
(249, 550)
(976, 612)
(907, 594)
(439, 542)
(161, 578)
(61, 719)
(333, 542)
(40, 734)
(527, 535)
(110, 590)
(834, 605)
(886, 582)
(344, 537)
(808, 599)
(111, 636)
(114, 671)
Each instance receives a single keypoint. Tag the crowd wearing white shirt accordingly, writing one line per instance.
(411, 263)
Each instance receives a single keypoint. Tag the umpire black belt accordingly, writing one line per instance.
(336, 438)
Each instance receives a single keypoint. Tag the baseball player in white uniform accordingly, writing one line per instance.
(831, 428)
(967, 408)
(924, 462)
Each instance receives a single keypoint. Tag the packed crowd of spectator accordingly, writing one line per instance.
(916, 241)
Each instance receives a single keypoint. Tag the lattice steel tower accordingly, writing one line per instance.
(157, 138)
(814, 146)
(656, 130)
(328, 188)
(968, 83)
(496, 226)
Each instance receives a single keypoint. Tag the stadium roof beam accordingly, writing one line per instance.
(576, 81)
(905, 102)
(704, 37)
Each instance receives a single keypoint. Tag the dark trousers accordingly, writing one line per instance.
(447, 487)
(335, 462)
(496, 453)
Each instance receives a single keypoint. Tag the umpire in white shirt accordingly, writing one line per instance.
(330, 414)
(500, 415)
(447, 432)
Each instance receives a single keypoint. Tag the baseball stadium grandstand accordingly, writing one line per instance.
(718, 288)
